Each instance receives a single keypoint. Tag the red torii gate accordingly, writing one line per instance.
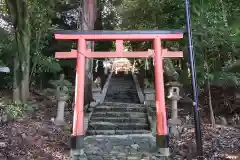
(82, 52)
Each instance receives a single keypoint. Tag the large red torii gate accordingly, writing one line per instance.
(82, 52)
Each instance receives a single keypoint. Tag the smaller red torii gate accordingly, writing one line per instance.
(162, 138)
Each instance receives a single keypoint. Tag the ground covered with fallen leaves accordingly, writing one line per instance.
(35, 137)
(220, 143)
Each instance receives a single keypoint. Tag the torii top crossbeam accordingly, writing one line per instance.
(119, 37)
(123, 35)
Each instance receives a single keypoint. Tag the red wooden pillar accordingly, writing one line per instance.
(78, 117)
(162, 138)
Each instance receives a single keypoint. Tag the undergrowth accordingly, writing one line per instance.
(14, 111)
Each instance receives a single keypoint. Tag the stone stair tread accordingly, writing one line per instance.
(115, 124)
(122, 104)
(119, 109)
(112, 106)
(117, 132)
(120, 114)
(121, 126)
(119, 120)
(112, 112)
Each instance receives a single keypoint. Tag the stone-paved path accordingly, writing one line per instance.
(122, 89)
(124, 147)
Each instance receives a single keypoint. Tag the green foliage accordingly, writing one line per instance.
(215, 32)
(215, 46)
(14, 111)
(42, 13)
(42, 62)
(146, 14)
(7, 48)
(45, 64)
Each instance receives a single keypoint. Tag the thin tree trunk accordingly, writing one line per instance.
(213, 122)
(224, 14)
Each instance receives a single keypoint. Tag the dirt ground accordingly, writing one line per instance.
(220, 143)
(35, 137)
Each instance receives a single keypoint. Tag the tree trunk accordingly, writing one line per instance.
(16, 80)
(85, 25)
(88, 82)
(23, 42)
(18, 10)
(102, 74)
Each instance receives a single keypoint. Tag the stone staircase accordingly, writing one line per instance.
(119, 128)
(113, 118)
(122, 89)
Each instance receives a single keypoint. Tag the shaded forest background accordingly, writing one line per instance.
(27, 45)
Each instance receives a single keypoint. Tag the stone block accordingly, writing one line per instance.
(94, 90)
(237, 96)
(150, 97)
(149, 94)
(97, 96)
(78, 155)
(149, 91)
(174, 124)
(148, 102)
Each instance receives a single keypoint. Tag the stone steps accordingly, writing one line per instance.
(118, 119)
(122, 89)
(120, 114)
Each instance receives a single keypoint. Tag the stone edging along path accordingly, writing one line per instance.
(139, 90)
(105, 88)
(141, 98)
(87, 117)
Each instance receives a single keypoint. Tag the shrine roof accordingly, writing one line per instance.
(99, 32)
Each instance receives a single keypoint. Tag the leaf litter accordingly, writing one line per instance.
(35, 137)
